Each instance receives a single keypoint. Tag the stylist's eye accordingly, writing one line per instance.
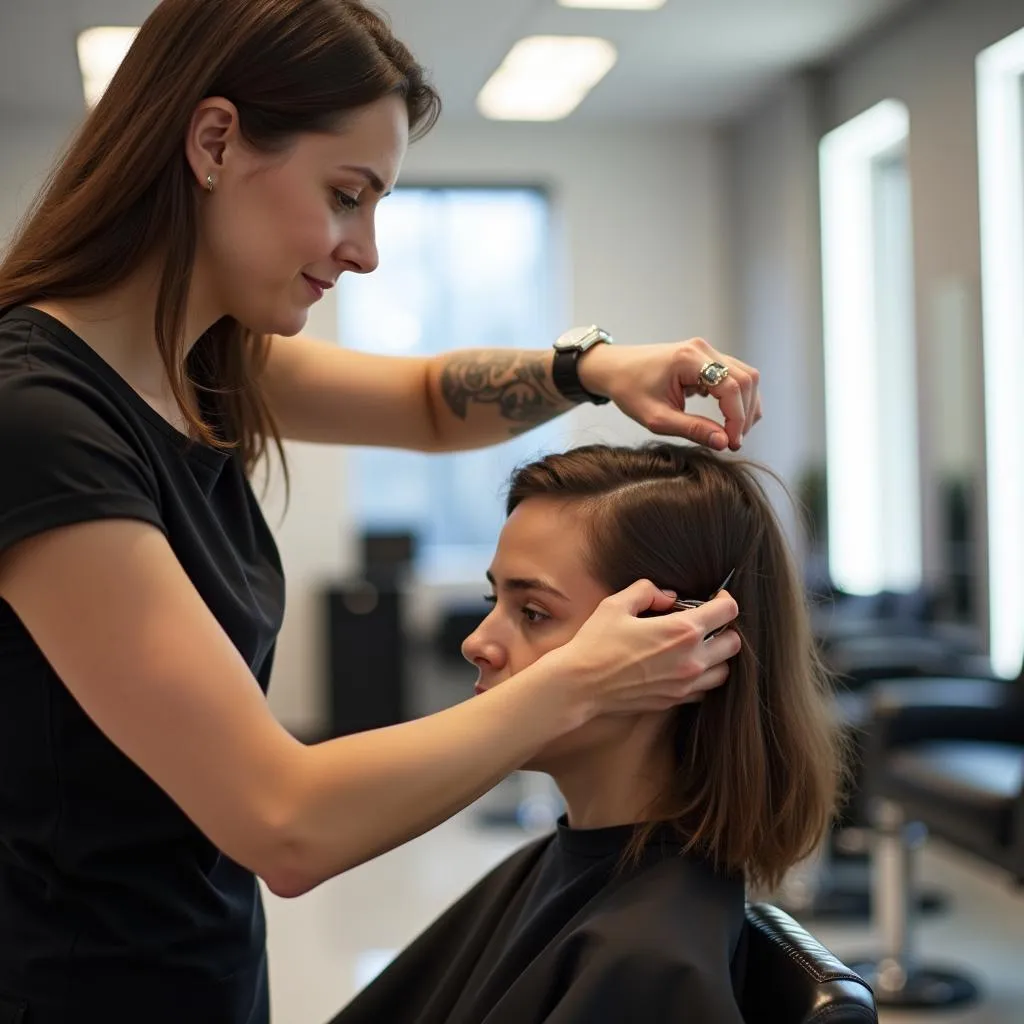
(343, 200)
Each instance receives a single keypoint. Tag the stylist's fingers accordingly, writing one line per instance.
(750, 386)
(701, 672)
(715, 614)
(709, 679)
(721, 648)
(730, 398)
(642, 596)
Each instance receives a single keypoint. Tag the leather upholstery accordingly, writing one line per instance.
(951, 754)
(791, 978)
(959, 787)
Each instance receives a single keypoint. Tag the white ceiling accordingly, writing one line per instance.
(691, 59)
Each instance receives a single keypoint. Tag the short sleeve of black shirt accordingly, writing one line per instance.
(63, 459)
(113, 905)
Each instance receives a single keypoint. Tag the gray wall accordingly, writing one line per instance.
(927, 60)
(776, 276)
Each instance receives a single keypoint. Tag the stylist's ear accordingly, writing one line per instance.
(211, 133)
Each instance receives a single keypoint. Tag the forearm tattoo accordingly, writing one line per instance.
(518, 383)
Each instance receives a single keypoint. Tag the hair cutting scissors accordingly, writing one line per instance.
(681, 604)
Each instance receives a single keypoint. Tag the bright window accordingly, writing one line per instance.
(870, 365)
(1000, 71)
(460, 268)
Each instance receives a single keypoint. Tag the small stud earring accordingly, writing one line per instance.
(209, 183)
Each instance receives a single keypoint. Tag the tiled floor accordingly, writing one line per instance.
(323, 944)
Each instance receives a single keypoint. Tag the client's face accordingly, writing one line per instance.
(542, 594)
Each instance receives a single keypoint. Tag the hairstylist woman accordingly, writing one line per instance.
(149, 307)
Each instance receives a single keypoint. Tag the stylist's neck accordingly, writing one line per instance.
(119, 323)
(617, 784)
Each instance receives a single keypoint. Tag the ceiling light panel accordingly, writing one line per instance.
(100, 52)
(545, 78)
(614, 5)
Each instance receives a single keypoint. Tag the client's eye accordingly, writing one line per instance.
(531, 615)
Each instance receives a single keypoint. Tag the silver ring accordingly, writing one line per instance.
(712, 374)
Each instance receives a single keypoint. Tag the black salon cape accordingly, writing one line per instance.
(556, 934)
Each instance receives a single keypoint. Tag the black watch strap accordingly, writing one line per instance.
(566, 377)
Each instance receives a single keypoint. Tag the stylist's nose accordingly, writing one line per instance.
(358, 251)
(482, 650)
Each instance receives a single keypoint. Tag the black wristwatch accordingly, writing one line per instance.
(568, 350)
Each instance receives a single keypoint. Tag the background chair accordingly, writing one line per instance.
(946, 758)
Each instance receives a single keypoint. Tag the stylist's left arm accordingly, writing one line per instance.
(472, 398)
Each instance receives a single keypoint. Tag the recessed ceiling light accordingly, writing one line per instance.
(100, 52)
(615, 5)
(545, 78)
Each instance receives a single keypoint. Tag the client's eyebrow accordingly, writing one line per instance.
(526, 583)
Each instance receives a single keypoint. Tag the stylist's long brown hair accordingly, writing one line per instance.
(123, 191)
(759, 760)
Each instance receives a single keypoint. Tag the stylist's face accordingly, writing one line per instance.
(542, 593)
(280, 228)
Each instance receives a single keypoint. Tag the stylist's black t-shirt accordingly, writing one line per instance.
(113, 905)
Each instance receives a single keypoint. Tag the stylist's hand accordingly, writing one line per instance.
(651, 383)
(626, 664)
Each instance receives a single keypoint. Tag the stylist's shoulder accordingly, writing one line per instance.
(64, 456)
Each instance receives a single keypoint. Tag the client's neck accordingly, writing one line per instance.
(617, 784)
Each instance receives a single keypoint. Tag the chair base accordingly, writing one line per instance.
(852, 903)
(842, 892)
(920, 988)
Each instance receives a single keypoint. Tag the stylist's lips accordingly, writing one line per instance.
(317, 286)
(480, 688)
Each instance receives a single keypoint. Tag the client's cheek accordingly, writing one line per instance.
(546, 638)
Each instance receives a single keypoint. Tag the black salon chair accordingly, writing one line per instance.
(847, 618)
(791, 978)
(946, 758)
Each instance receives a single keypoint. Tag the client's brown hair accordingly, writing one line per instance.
(760, 761)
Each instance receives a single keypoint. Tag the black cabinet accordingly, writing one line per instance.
(366, 657)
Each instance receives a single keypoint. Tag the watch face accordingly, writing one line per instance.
(574, 337)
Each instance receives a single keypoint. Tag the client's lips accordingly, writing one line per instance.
(480, 688)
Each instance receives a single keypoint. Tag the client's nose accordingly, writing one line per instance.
(481, 651)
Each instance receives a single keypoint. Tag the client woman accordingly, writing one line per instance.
(633, 910)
